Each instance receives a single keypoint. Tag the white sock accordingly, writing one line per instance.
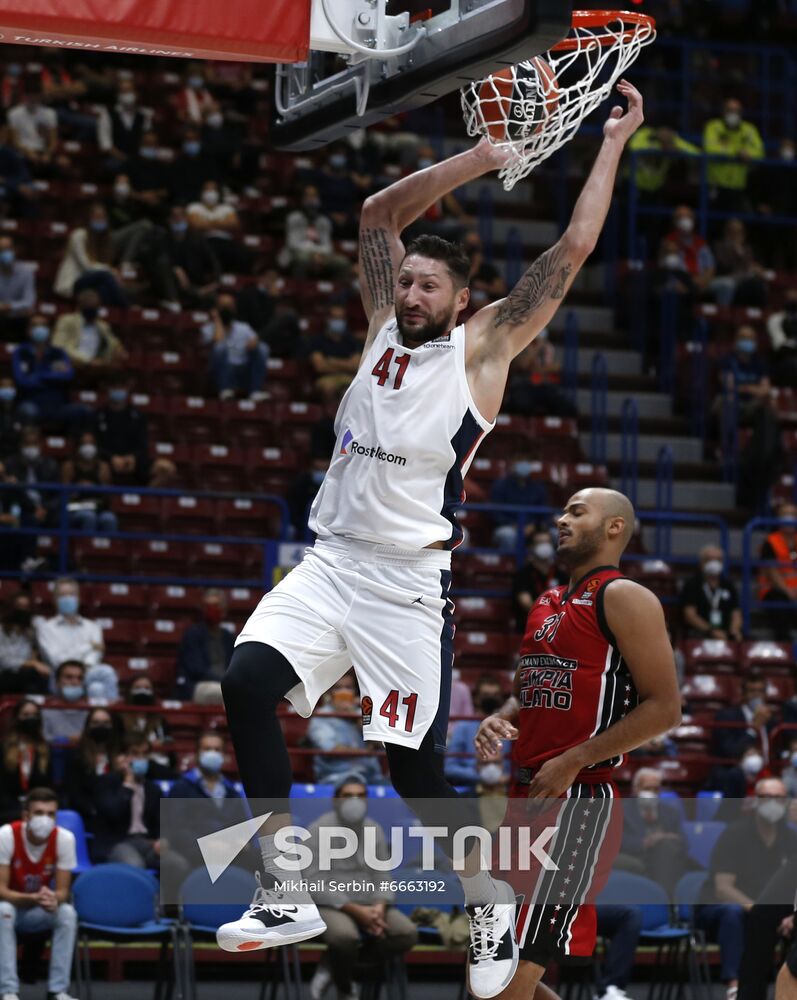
(479, 889)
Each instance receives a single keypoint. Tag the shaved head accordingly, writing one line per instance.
(597, 523)
(616, 504)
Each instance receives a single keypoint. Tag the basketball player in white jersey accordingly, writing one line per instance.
(373, 590)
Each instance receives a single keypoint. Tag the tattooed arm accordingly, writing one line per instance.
(506, 327)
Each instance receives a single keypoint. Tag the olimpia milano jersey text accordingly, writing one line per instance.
(406, 432)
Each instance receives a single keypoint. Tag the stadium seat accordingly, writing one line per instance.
(700, 839)
(248, 518)
(703, 654)
(175, 602)
(159, 637)
(496, 649)
(767, 656)
(486, 570)
(714, 688)
(109, 556)
(195, 419)
(137, 512)
(116, 600)
(248, 422)
(160, 558)
(270, 470)
(224, 561)
(188, 515)
(73, 821)
(706, 805)
(219, 466)
(120, 635)
(478, 612)
(156, 410)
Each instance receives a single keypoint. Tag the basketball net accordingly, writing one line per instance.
(534, 108)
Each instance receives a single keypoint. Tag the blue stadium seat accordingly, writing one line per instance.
(706, 805)
(71, 820)
(701, 838)
(674, 799)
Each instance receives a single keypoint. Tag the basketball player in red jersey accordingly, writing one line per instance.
(596, 679)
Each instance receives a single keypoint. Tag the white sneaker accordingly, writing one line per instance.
(60, 996)
(614, 993)
(271, 920)
(493, 953)
(321, 981)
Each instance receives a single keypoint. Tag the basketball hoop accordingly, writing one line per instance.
(535, 107)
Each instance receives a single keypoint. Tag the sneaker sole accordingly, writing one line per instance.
(236, 941)
(499, 989)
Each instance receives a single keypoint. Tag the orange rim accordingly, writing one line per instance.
(599, 19)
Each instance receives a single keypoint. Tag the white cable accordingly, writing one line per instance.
(385, 53)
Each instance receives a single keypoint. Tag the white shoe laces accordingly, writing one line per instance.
(269, 900)
(484, 936)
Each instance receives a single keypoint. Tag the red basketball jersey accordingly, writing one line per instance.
(27, 875)
(574, 683)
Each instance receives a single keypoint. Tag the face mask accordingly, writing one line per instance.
(337, 162)
(490, 774)
(39, 334)
(72, 692)
(67, 604)
(226, 315)
(191, 147)
(522, 469)
(31, 452)
(179, 227)
(127, 100)
(317, 475)
(41, 827)
(195, 82)
(211, 761)
(100, 734)
(117, 395)
(746, 346)
(752, 764)
(142, 697)
(543, 551)
(336, 326)
(98, 225)
(733, 119)
(139, 766)
(685, 223)
(352, 810)
(713, 567)
(425, 162)
(212, 614)
(89, 313)
(787, 153)
(672, 261)
(7, 393)
(122, 190)
(88, 452)
(771, 811)
(7, 257)
(215, 120)
(148, 152)
(210, 197)
(31, 725)
(490, 705)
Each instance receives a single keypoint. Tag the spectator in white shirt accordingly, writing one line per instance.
(37, 859)
(34, 128)
(308, 246)
(70, 636)
(217, 220)
(238, 359)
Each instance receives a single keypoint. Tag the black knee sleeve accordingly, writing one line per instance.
(256, 681)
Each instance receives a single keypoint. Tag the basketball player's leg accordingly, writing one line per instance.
(526, 984)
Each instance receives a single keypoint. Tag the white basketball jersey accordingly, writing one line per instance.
(406, 432)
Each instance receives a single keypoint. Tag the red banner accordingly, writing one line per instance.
(258, 30)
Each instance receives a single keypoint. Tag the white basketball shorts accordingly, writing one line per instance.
(382, 610)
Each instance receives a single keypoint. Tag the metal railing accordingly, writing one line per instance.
(599, 420)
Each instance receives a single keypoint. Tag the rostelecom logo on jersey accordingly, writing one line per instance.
(349, 446)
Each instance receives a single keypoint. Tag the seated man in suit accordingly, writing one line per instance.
(732, 741)
(652, 831)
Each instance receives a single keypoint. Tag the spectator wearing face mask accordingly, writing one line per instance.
(122, 435)
(518, 488)
(132, 235)
(186, 270)
(10, 420)
(194, 100)
(27, 761)
(694, 254)
(740, 280)
(652, 171)
(746, 856)
(204, 652)
(17, 291)
(88, 261)
(87, 511)
(470, 771)
(22, 670)
(778, 583)
(29, 467)
(340, 189)
(150, 177)
(221, 140)
(70, 636)
(327, 732)
(538, 574)
(120, 128)
(334, 355)
(215, 218)
(534, 382)
(260, 304)
(731, 741)
(301, 493)
(308, 250)
(126, 820)
(782, 330)
(16, 511)
(238, 359)
(739, 144)
(88, 339)
(93, 757)
(37, 858)
(445, 217)
(64, 725)
(709, 600)
(366, 920)
(150, 727)
(192, 168)
(653, 842)
(42, 374)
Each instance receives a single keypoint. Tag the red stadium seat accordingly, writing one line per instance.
(495, 649)
(270, 470)
(248, 518)
(156, 410)
(248, 422)
(188, 515)
(180, 454)
(488, 570)
(118, 600)
(172, 601)
(779, 689)
(700, 654)
(137, 512)
(715, 688)
(219, 466)
(767, 656)
(478, 525)
(120, 635)
(241, 602)
(167, 372)
(161, 671)
(478, 612)
(159, 558)
(218, 561)
(195, 419)
(159, 637)
(102, 555)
